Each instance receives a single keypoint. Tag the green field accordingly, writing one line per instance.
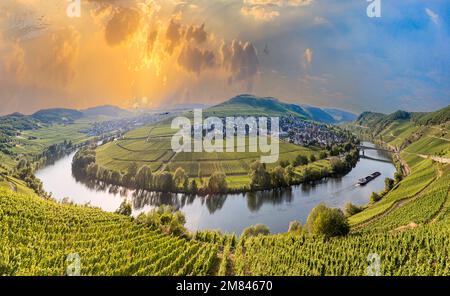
(151, 146)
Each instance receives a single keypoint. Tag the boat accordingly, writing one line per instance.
(364, 181)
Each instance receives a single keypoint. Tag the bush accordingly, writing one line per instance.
(166, 219)
(351, 209)
(124, 209)
(217, 183)
(388, 184)
(327, 222)
(255, 230)
(300, 160)
(295, 227)
(375, 197)
(323, 155)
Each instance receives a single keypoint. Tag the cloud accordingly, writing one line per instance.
(151, 39)
(174, 34)
(195, 60)
(267, 10)
(433, 16)
(308, 55)
(197, 34)
(241, 60)
(260, 12)
(123, 24)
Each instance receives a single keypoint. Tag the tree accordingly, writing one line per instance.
(193, 187)
(300, 160)
(200, 176)
(398, 177)
(337, 165)
(116, 178)
(284, 163)
(186, 184)
(164, 181)
(335, 150)
(277, 176)
(259, 175)
(217, 183)
(92, 170)
(388, 184)
(133, 169)
(289, 174)
(323, 155)
(327, 222)
(178, 176)
(295, 227)
(124, 209)
(144, 178)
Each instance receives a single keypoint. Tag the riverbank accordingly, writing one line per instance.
(227, 212)
(86, 169)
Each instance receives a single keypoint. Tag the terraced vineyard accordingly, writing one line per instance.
(421, 251)
(412, 240)
(37, 236)
(151, 146)
(423, 175)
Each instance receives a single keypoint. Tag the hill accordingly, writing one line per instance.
(57, 115)
(341, 115)
(106, 110)
(249, 105)
(318, 114)
(379, 121)
(438, 117)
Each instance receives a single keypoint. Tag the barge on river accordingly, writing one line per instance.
(364, 181)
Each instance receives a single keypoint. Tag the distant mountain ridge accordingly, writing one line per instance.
(379, 121)
(250, 105)
(19, 121)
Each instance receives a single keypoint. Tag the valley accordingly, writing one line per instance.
(408, 214)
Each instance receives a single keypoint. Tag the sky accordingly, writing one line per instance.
(159, 53)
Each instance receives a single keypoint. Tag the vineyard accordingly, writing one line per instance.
(407, 231)
(422, 251)
(151, 146)
(37, 236)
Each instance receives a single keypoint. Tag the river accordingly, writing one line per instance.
(231, 212)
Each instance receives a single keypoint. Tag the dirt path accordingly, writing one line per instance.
(435, 158)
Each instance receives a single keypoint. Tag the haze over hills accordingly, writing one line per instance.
(246, 104)
(64, 115)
